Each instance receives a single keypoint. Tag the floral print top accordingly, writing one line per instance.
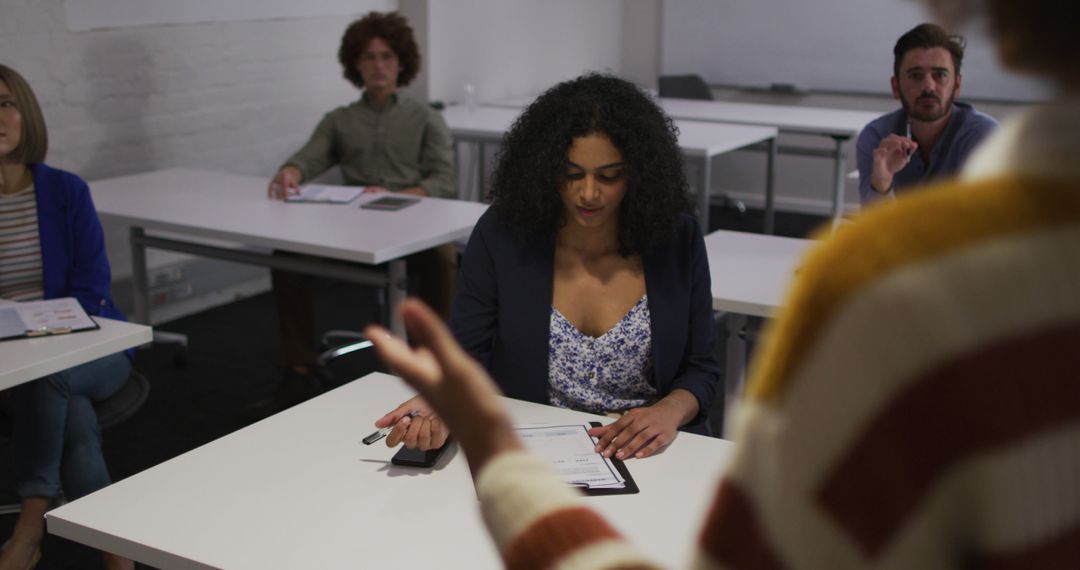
(603, 374)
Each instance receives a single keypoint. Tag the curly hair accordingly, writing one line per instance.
(532, 163)
(392, 28)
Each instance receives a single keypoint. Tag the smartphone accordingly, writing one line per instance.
(406, 457)
(390, 203)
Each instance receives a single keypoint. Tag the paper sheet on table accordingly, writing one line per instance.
(571, 451)
(53, 315)
(326, 194)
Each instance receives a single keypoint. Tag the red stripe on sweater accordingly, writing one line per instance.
(978, 403)
(733, 535)
(554, 536)
(1057, 553)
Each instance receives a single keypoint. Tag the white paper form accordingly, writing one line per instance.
(31, 318)
(572, 452)
(326, 194)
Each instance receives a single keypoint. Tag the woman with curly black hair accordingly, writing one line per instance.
(586, 284)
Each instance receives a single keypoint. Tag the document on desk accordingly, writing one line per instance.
(325, 194)
(572, 453)
(42, 318)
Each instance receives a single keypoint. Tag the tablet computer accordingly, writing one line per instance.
(390, 203)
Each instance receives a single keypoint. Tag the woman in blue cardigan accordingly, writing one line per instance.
(51, 245)
(586, 284)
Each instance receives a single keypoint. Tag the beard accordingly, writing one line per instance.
(928, 115)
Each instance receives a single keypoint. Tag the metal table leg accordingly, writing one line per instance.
(770, 186)
(838, 181)
(735, 369)
(481, 152)
(139, 286)
(705, 187)
(398, 287)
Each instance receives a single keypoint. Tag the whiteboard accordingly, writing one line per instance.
(825, 45)
(97, 14)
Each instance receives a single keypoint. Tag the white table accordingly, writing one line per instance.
(299, 490)
(751, 274)
(212, 205)
(699, 141)
(28, 359)
(838, 124)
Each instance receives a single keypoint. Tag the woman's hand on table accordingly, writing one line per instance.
(456, 387)
(643, 431)
(415, 424)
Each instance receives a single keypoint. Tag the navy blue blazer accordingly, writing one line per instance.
(502, 309)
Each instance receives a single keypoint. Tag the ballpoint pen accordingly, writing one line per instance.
(381, 433)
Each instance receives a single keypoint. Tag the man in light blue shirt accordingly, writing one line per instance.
(931, 135)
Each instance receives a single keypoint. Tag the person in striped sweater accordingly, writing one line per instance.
(916, 406)
(51, 245)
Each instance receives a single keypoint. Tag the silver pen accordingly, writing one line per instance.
(381, 433)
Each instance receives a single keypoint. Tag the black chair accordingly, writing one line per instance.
(690, 86)
(110, 412)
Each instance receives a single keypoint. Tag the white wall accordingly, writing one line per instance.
(236, 96)
(641, 42)
(518, 47)
(230, 96)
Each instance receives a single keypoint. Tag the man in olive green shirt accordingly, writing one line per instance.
(384, 142)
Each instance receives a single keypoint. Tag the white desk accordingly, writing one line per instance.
(28, 359)
(698, 141)
(218, 206)
(837, 124)
(299, 490)
(751, 274)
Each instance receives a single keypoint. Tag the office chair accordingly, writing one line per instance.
(689, 86)
(693, 86)
(110, 412)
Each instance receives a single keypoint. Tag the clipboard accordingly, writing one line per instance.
(51, 317)
(630, 488)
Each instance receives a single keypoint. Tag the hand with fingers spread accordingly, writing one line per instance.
(415, 424)
(455, 386)
(285, 182)
(891, 156)
(642, 432)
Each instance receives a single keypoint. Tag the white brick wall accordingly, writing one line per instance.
(236, 96)
(233, 96)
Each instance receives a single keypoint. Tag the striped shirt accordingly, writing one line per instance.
(917, 406)
(20, 247)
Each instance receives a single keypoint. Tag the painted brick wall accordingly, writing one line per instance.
(233, 96)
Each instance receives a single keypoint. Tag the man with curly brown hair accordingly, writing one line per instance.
(384, 142)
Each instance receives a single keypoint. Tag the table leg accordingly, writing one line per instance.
(770, 186)
(735, 368)
(462, 190)
(139, 286)
(398, 287)
(704, 188)
(481, 151)
(839, 179)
